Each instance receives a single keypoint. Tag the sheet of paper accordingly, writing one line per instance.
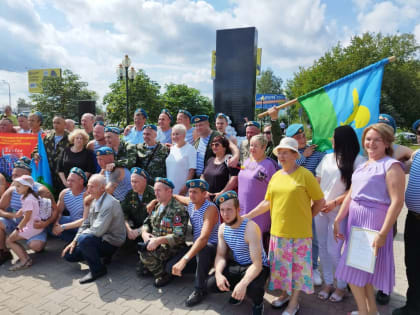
(361, 254)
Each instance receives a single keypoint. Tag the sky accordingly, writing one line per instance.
(172, 40)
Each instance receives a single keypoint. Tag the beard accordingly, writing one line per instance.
(232, 222)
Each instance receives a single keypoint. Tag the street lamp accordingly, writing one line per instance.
(10, 99)
(129, 74)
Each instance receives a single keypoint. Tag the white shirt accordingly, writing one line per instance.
(178, 163)
(331, 183)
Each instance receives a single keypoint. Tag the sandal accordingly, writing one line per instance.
(325, 293)
(279, 302)
(21, 265)
(337, 296)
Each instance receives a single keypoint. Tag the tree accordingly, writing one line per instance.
(143, 92)
(180, 96)
(401, 81)
(60, 96)
(268, 83)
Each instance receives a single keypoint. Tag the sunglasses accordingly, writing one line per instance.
(267, 132)
(215, 144)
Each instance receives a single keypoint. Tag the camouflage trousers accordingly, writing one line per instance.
(155, 260)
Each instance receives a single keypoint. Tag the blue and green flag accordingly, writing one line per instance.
(41, 173)
(352, 100)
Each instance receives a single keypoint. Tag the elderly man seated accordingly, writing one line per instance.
(100, 234)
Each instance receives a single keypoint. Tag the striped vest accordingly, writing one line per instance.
(197, 220)
(74, 204)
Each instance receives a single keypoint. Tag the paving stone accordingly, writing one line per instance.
(53, 308)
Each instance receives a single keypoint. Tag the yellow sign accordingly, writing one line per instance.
(213, 64)
(36, 76)
(259, 53)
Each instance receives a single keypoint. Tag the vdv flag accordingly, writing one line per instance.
(41, 172)
(352, 100)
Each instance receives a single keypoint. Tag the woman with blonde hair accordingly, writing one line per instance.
(374, 201)
(76, 156)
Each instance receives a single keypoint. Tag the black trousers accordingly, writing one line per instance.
(234, 273)
(412, 260)
(201, 265)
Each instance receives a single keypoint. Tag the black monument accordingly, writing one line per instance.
(234, 85)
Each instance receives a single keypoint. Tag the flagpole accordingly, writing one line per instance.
(294, 101)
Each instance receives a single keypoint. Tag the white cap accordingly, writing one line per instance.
(25, 180)
(287, 143)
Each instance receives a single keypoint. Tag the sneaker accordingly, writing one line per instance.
(382, 298)
(234, 301)
(195, 298)
(258, 309)
(5, 255)
(317, 277)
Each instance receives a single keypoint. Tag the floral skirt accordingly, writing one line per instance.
(291, 264)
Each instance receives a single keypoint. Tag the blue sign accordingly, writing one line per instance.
(266, 101)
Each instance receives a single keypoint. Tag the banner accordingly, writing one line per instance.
(36, 76)
(12, 147)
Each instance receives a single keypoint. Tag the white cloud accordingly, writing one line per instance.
(417, 33)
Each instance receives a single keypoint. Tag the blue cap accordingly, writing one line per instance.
(141, 111)
(199, 118)
(80, 172)
(253, 123)
(221, 115)
(104, 151)
(149, 126)
(226, 196)
(115, 130)
(197, 183)
(416, 125)
(165, 181)
(165, 111)
(139, 171)
(294, 129)
(21, 164)
(389, 120)
(185, 112)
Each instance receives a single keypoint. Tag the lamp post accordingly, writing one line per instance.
(124, 70)
(10, 99)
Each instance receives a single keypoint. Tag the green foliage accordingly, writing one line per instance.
(60, 96)
(268, 83)
(401, 82)
(180, 96)
(143, 92)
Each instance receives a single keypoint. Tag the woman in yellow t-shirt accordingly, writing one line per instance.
(290, 193)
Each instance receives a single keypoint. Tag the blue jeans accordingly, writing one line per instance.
(91, 248)
(67, 235)
(315, 248)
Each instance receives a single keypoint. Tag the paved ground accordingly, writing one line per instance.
(51, 286)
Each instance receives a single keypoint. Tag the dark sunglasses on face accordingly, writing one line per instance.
(267, 132)
(215, 144)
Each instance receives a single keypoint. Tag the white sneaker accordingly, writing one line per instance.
(317, 277)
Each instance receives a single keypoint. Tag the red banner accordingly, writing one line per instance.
(17, 144)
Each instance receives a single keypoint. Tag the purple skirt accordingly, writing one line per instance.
(371, 216)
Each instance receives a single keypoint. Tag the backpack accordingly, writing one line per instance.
(45, 208)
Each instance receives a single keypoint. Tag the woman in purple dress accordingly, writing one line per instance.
(374, 202)
(253, 180)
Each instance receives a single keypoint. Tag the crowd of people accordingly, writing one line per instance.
(267, 209)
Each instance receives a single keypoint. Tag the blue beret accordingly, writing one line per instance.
(389, 120)
(100, 122)
(39, 114)
(149, 126)
(80, 172)
(165, 181)
(185, 112)
(115, 130)
(294, 129)
(141, 111)
(416, 124)
(104, 151)
(253, 123)
(197, 183)
(221, 115)
(165, 111)
(139, 171)
(226, 196)
(199, 118)
(21, 164)
(25, 159)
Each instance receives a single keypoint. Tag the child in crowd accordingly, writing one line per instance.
(25, 229)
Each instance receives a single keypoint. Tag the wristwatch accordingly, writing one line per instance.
(186, 257)
(63, 226)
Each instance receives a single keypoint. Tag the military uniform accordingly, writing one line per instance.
(171, 222)
(135, 210)
(153, 161)
(126, 155)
